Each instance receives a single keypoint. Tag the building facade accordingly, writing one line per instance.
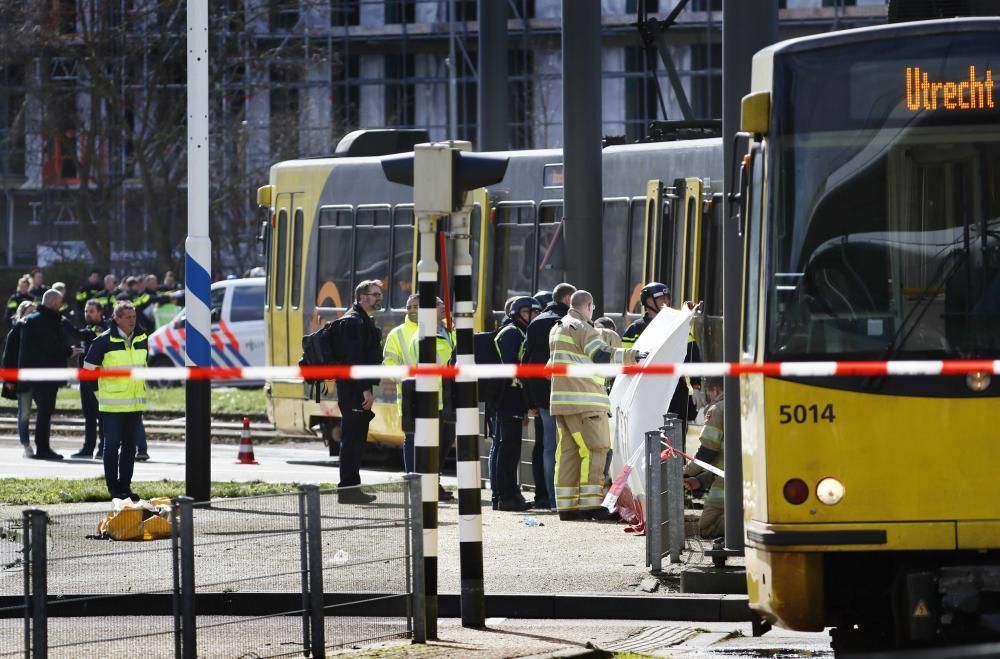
(92, 159)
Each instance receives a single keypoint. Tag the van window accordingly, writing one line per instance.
(218, 297)
(247, 304)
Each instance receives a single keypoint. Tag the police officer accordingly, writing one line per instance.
(360, 344)
(108, 295)
(121, 400)
(537, 391)
(655, 297)
(89, 290)
(43, 345)
(22, 294)
(712, 522)
(580, 405)
(38, 286)
(511, 407)
(93, 426)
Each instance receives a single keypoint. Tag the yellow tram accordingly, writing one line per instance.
(872, 232)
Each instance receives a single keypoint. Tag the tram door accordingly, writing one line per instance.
(286, 280)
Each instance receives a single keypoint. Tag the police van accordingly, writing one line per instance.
(237, 331)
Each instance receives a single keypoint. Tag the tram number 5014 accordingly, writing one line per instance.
(805, 414)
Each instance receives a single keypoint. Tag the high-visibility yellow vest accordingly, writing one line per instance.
(123, 394)
(444, 345)
(396, 352)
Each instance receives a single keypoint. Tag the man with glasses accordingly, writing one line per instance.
(360, 344)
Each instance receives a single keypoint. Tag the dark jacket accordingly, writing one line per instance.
(10, 354)
(360, 345)
(86, 292)
(536, 351)
(13, 302)
(42, 342)
(509, 341)
(86, 335)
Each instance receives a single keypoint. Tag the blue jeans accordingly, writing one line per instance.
(24, 416)
(549, 456)
(121, 432)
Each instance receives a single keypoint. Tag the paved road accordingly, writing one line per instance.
(299, 462)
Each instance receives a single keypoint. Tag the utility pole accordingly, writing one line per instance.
(746, 28)
(198, 261)
(583, 200)
(493, 125)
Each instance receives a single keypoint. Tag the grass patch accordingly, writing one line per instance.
(47, 491)
(225, 400)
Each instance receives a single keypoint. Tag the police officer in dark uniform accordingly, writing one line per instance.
(88, 291)
(93, 427)
(360, 344)
(22, 294)
(511, 408)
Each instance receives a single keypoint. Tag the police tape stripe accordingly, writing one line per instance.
(493, 371)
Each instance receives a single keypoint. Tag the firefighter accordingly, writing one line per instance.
(654, 297)
(712, 522)
(581, 406)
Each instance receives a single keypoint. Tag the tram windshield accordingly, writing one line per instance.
(885, 238)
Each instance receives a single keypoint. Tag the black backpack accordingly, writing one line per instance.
(484, 348)
(321, 349)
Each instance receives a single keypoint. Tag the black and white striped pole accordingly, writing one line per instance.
(427, 198)
(441, 175)
(470, 511)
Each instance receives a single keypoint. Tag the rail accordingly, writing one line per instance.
(271, 575)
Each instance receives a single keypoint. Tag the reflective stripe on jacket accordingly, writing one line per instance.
(575, 340)
(123, 394)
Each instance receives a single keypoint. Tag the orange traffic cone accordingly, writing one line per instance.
(245, 456)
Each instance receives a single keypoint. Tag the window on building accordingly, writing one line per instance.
(285, 81)
(706, 80)
(400, 109)
(632, 6)
(344, 13)
(521, 8)
(640, 91)
(706, 5)
(284, 14)
(400, 11)
(345, 73)
(468, 107)
(839, 3)
(521, 107)
(11, 129)
(61, 122)
(63, 16)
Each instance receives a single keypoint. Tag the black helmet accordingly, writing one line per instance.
(544, 298)
(524, 302)
(652, 290)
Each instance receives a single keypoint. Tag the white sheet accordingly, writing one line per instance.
(638, 402)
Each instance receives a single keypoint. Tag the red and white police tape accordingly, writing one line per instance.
(493, 371)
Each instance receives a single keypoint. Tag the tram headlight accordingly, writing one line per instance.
(796, 491)
(830, 491)
(978, 381)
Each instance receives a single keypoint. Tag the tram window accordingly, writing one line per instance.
(615, 249)
(401, 284)
(751, 272)
(403, 215)
(477, 220)
(371, 257)
(336, 217)
(637, 233)
(279, 259)
(334, 264)
(551, 266)
(297, 259)
(372, 217)
(513, 253)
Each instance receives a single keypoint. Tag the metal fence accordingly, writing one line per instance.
(274, 575)
(664, 494)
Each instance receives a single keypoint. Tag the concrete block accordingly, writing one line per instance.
(726, 580)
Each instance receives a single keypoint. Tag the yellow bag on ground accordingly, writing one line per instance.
(141, 520)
